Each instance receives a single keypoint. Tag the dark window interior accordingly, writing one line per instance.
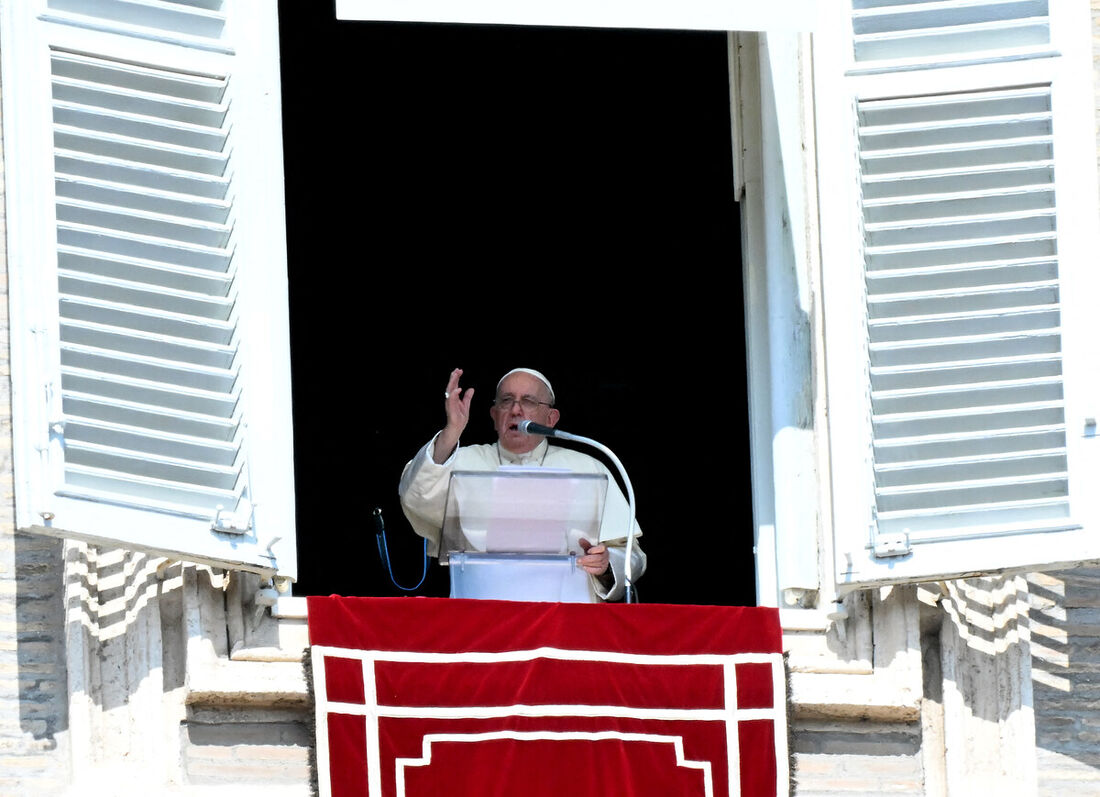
(488, 197)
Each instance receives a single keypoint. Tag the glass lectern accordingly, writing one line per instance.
(514, 533)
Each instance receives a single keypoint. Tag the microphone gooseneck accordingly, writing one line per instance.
(530, 427)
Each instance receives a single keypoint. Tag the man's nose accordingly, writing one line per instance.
(517, 408)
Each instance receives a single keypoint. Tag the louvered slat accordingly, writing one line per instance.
(965, 424)
(182, 303)
(993, 370)
(146, 322)
(921, 29)
(143, 247)
(131, 413)
(115, 219)
(166, 494)
(129, 343)
(134, 439)
(159, 276)
(202, 19)
(151, 151)
(72, 165)
(950, 397)
(167, 203)
(935, 447)
(963, 316)
(145, 83)
(208, 394)
(150, 386)
(198, 476)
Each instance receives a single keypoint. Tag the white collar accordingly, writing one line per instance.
(533, 457)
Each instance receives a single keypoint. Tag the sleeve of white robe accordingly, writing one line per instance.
(423, 492)
(613, 532)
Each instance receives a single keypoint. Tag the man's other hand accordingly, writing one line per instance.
(596, 560)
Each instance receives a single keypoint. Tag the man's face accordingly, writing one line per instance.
(521, 386)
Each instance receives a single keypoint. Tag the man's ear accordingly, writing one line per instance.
(552, 417)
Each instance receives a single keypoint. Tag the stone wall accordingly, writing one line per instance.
(33, 694)
(1065, 650)
(259, 747)
(861, 758)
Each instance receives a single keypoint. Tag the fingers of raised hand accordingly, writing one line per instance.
(452, 382)
(454, 396)
(456, 402)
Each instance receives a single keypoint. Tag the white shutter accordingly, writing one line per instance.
(970, 209)
(150, 352)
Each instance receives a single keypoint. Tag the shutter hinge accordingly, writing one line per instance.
(228, 522)
(887, 545)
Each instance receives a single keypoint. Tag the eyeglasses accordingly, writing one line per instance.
(529, 403)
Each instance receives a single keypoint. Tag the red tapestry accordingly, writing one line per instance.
(422, 696)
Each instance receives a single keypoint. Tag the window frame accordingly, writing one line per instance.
(687, 14)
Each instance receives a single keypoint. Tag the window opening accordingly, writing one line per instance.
(485, 197)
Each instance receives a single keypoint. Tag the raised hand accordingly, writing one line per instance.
(456, 402)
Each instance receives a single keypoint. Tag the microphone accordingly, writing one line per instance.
(530, 427)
